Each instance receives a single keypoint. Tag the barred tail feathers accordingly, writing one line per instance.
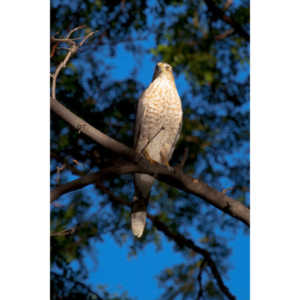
(138, 223)
(143, 184)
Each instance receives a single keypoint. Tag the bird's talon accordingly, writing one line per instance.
(148, 157)
(138, 157)
(168, 167)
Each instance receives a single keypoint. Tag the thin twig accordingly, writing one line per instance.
(72, 50)
(224, 35)
(220, 14)
(75, 29)
(227, 4)
(62, 65)
(64, 232)
(75, 161)
(69, 166)
(199, 278)
(53, 49)
(63, 48)
(182, 241)
(184, 158)
(92, 294)
(227, 190)
(87, 37)
(63, 40)
(58, 171)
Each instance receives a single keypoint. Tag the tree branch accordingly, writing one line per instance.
(77, 283)
(85, 128)
(64, 232)
(91, 178)
(179, 239)
(73, 49)
(227, 4)
(225, 34)
(199, 278)
(172, 176)
(220, 14)
(182, 241)
(73, 185)
(68, 165)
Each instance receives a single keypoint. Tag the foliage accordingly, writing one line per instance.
(212, 63)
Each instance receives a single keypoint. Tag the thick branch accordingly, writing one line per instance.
(220, 14)
(73, 185)
(172, 176)
(96, 135)
(91, 178)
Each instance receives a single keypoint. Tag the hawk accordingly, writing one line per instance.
(157, 129)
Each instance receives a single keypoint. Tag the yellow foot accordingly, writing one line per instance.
(164, 161)
(148, 157)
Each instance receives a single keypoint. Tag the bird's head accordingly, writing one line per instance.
(163, 69)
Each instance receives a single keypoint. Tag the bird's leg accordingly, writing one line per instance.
(148, 157)
(165, 160)
(150, 160)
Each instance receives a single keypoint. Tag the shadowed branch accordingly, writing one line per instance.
(172, 176)
(220, 14)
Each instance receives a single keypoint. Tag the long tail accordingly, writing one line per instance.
(143, 184)
(138, 216)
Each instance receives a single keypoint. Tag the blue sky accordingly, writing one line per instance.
(137, 275)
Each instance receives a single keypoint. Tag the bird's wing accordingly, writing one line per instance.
(140, 114)
(176, 139)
